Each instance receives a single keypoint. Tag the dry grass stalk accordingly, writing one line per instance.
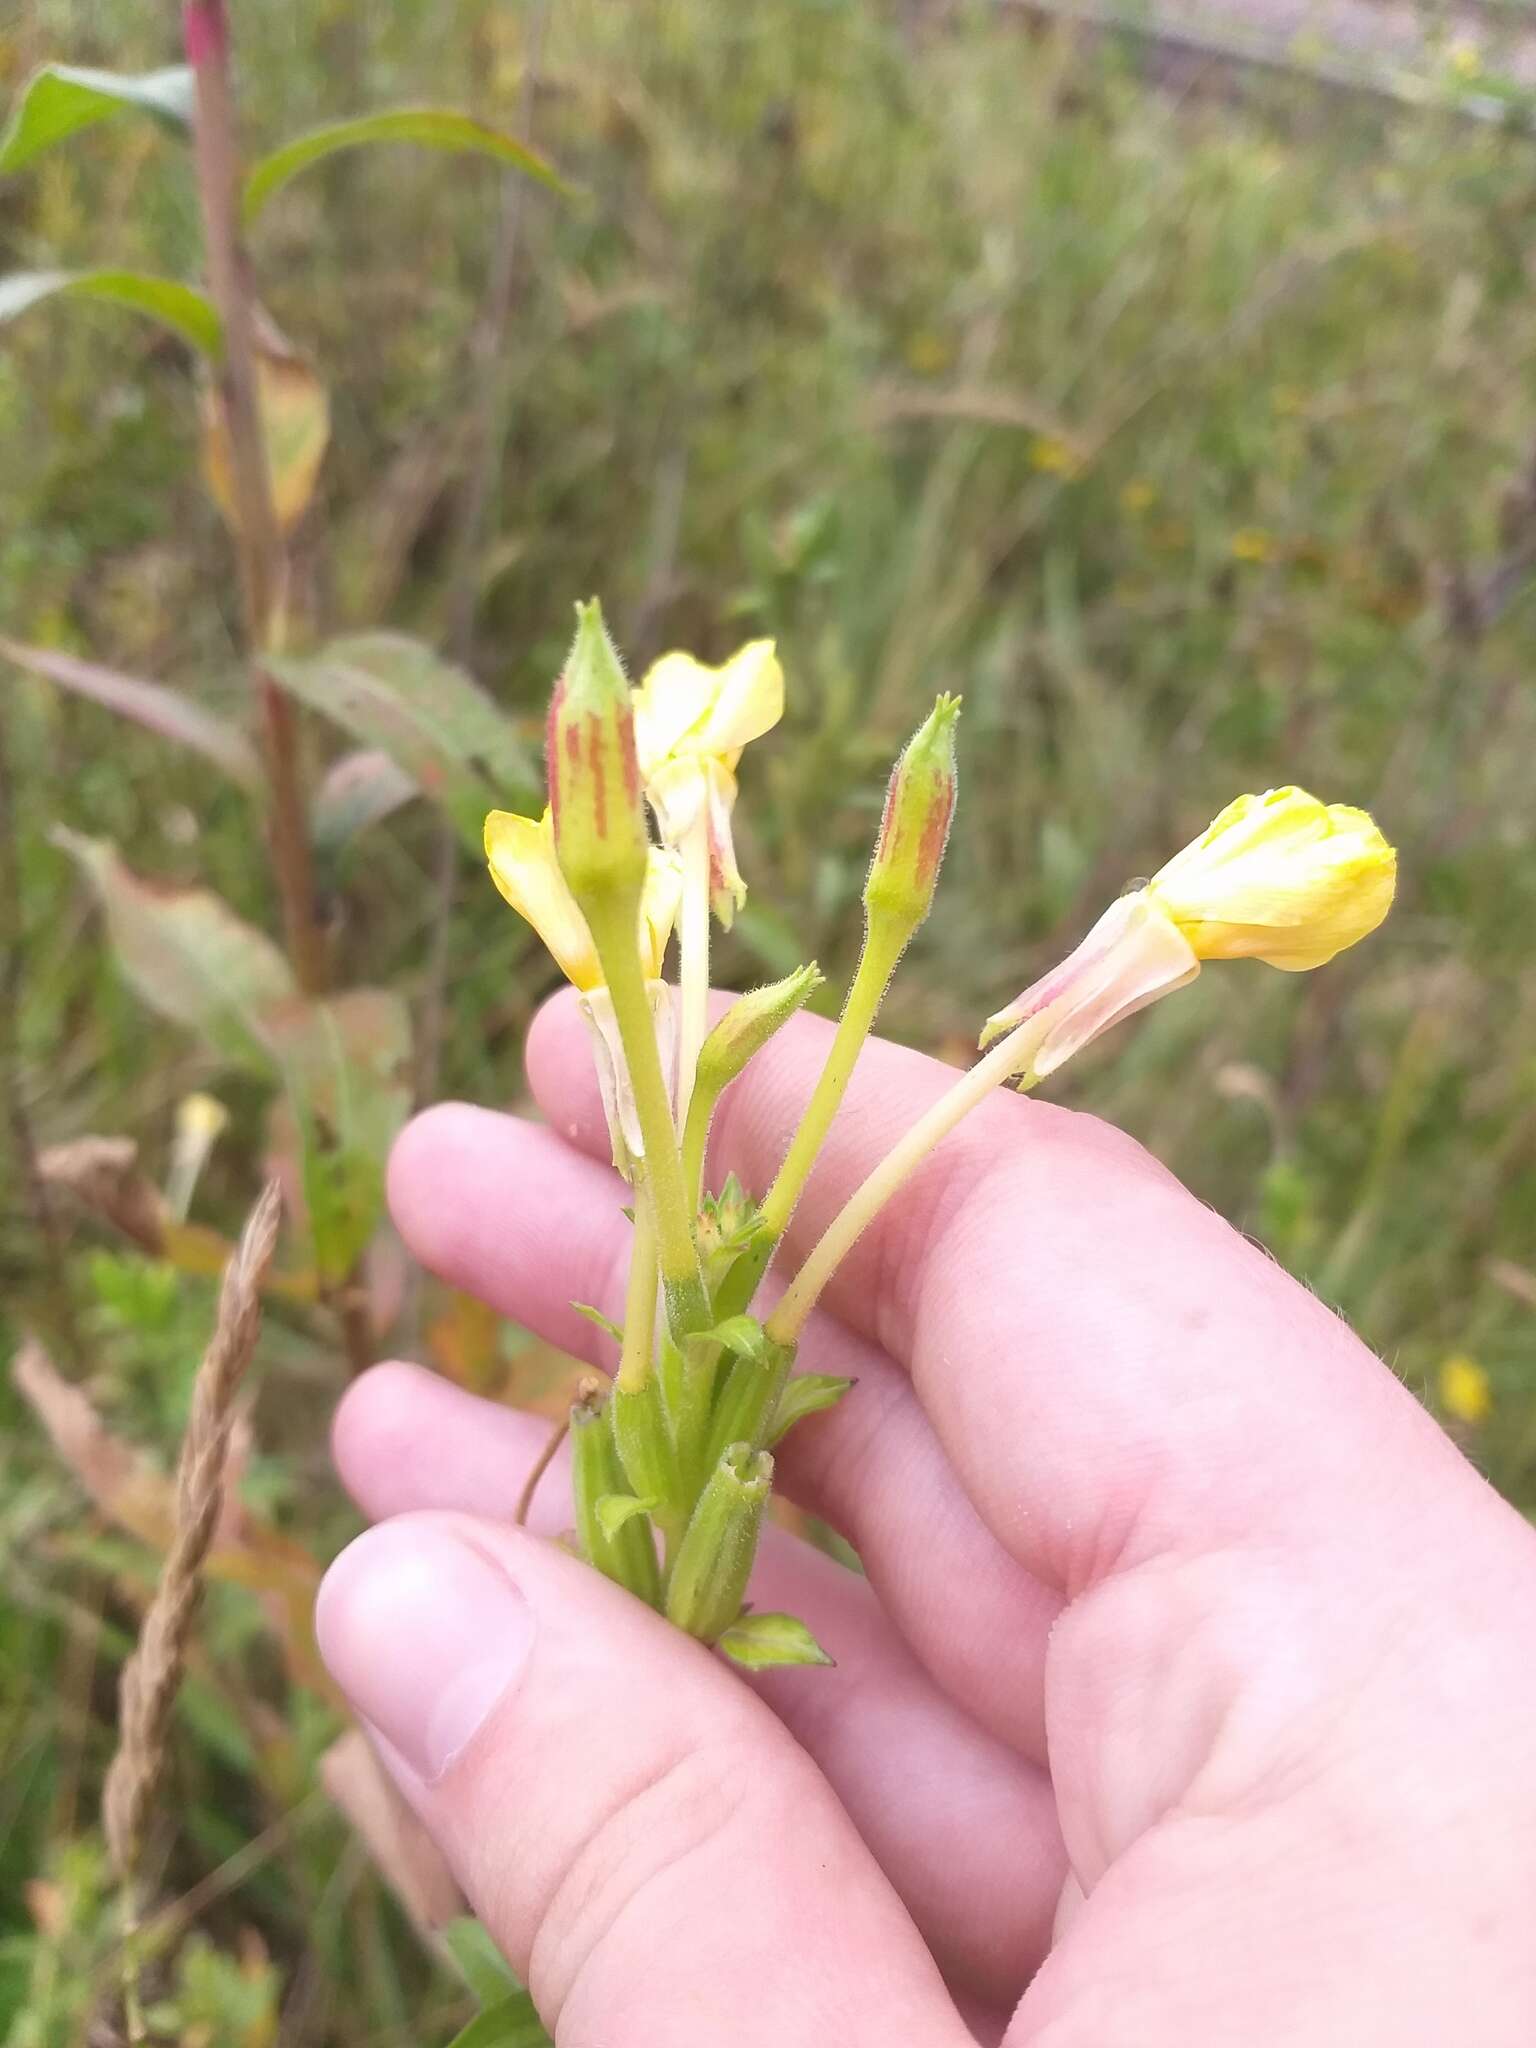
(104, 1175)
(152, 1674)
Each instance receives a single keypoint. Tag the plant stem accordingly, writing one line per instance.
(639, 1305)
(694, 949)
(897, 1167)
(613, 933)
(258, 537)
(877, 963)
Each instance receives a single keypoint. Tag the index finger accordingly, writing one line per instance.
(1114, 1372)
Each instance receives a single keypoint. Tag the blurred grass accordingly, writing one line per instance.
(1172, 429)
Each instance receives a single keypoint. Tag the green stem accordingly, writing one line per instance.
(613, 932)
(693, 976)
(640, 1305)
(877, 963)
(899, 1164)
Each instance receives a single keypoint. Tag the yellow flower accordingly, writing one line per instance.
(691, 723)
(1279, 877)
(1464, 1392)
(1054, 457)
(1139, 495)
(521, 854)
(1252, 544)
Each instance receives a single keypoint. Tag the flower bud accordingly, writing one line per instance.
(622, 1551)
(748, 1025)
(918, 806)
(600, 832)
(714, 1559)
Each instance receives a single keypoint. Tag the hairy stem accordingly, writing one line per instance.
(693, 938)
(613, 933)
(639, 1305)
(897, 1167)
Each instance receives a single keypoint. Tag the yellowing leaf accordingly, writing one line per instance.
(296, 420)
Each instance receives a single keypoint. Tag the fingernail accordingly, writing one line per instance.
(424, 1635)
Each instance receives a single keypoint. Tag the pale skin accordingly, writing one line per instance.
(1190, 1699)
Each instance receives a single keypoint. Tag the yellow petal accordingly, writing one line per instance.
(658, 909)
(521, 855)
(1282, 878)
(685, 707)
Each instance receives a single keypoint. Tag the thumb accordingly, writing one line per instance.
(658, 1858)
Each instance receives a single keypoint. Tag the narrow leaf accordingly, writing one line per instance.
(595, 1315)
(61, 99)
(427, 127)
(613, 1510)
(180, 307)
(148, 704)
(187, 953)
(481, 1963)
(762, 1642)
(393, 693)
(513, 2023)
(807, 1394)
(359, 790)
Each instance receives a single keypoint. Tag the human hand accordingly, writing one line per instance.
(1186, 1633)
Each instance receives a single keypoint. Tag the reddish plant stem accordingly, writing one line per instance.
(258, 536)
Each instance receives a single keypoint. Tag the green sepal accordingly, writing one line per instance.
(615, 1509)
(747, 1405)
(604, 1323)
(764, 1642)
(626, 1554)
(808, 1393)
(714, 1560)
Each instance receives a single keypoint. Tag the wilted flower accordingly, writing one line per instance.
(691, 723)
(521, 855)
(1279, 877)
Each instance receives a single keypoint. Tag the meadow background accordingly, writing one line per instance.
(1184, 421)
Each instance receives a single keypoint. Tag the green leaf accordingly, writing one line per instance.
(807, 1394)
(61, 99)
(613, 1510)
(595, 1315)
(180, 307)
(359, 790)
(393, 693)
(346, 1066)
(427, 127)
(742, 1335)
(151, 705)
(483, 1966)
(513, 2023)
(187, 953)
(762, 1642)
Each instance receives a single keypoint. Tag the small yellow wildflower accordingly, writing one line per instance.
(1464, 1391)
(1054, 457)
(929, 353)
(691, 723)
(1279, 877)
(1252, 544)
(1464, 58)
(1138, 495)
(521, 855)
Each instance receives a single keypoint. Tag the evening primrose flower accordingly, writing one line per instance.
(1282, 878)
(521, 856)
(1279, 877)
(691, 723)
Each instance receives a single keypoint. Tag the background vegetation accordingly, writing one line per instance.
(1190, 433)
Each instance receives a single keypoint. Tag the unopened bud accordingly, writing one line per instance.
(915, 828)
(601, 840)
(748, 1025)
(714, 1559)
